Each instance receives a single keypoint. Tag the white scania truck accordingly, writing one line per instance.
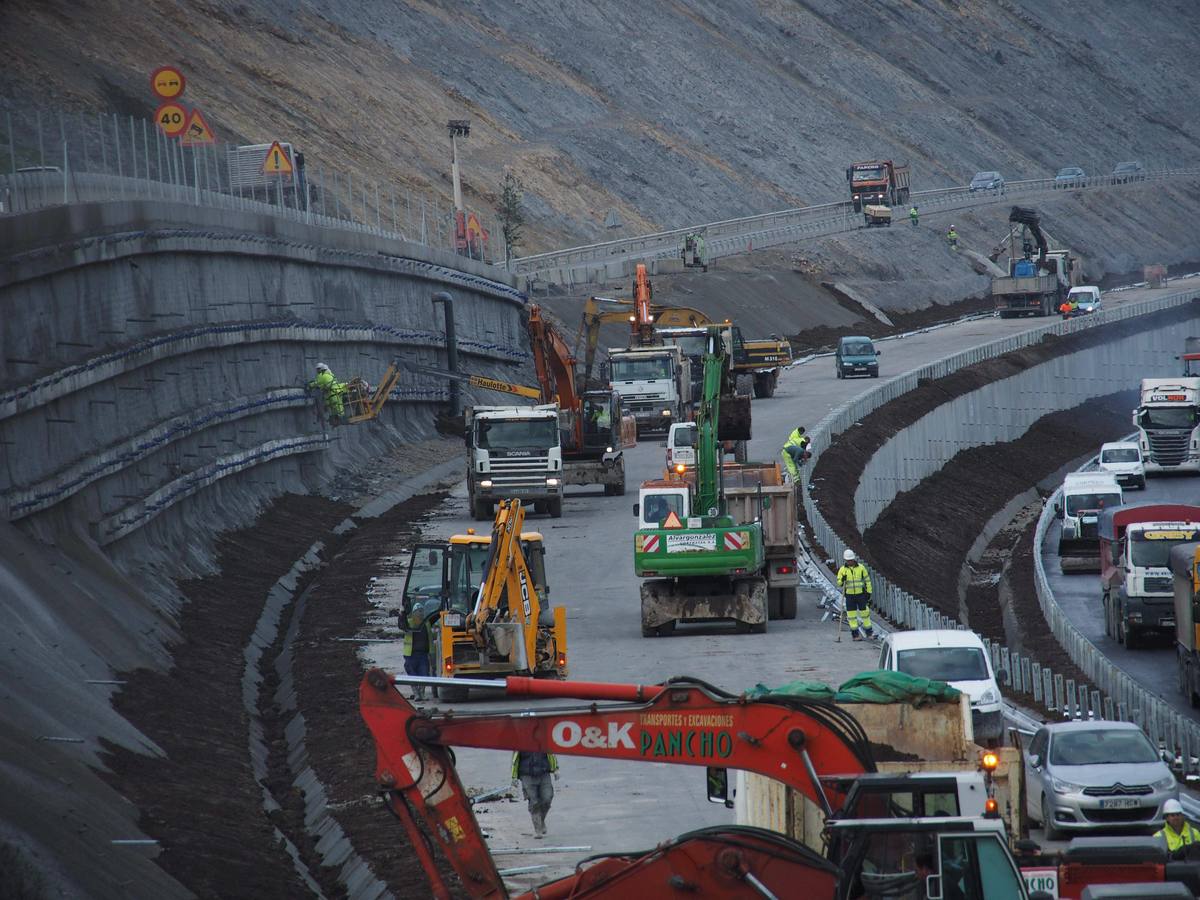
(1168, 424)
(515, 452)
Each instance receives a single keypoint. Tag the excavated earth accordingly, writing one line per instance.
(202, 801)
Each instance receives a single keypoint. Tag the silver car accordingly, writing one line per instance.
(1091, 776)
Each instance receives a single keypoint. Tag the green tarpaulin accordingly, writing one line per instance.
(866, 687)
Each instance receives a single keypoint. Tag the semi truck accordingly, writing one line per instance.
(1137, 592)
(1033, 286)
(655, 384)
(1168, 424)
(1084, 495)
(878, 182)
(514, 452)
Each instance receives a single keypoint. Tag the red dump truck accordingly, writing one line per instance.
(879, 181)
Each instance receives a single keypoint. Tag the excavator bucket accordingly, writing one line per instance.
(733, 423)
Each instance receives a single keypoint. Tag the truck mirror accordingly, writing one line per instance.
(637, 509)
(1035, 760)
(879, 353)
(717, 778)
(766, 502)
(1058, 511)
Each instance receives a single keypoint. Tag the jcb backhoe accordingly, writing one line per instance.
(492, 601)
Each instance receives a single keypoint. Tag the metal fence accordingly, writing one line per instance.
(1109, 693)
(732, 236)
(52, 159)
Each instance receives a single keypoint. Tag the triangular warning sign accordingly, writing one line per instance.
(197, 131)
(277, 161)
(672, 521)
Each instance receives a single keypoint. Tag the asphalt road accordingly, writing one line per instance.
(1154, 667)
(615, 806)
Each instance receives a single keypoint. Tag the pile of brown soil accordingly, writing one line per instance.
(838, 469)
(823, 337)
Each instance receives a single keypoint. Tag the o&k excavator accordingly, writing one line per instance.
(814, 747)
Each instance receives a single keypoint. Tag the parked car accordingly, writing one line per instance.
(1129, 171)
(1086, 298)
(987, 181)
(856, 356)
(1069, 177)
(959, 659)
(1124, 460)
(1097, 775)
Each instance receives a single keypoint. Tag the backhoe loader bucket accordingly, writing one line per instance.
(733, 423)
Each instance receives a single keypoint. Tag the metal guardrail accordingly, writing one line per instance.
(730, 236)
(1111, 693)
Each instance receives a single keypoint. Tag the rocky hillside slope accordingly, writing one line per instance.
(669, 112)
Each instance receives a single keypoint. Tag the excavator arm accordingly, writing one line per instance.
(683, 721)
(509, 577)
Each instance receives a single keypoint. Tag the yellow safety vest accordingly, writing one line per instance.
(854, 580)
(1175, 839)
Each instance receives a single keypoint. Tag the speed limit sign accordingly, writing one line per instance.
(171, 118)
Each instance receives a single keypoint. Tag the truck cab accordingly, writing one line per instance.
(1136, 582)
(1168, 424)
(655, 385)
(1084, 496)
(515, 453)
(658, 499)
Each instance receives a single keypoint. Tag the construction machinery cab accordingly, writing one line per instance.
(602, 421)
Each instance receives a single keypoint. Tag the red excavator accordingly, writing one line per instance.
(685, 721)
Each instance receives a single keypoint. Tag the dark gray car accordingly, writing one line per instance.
(987, 181)
(1128, 171)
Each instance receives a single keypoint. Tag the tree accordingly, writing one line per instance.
(512, 218)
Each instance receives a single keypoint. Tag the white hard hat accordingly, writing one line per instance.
(321, 367)
(1172, 806)
(848, 555)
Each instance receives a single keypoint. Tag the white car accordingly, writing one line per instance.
(958, 658)
(1087, 297)
(1124, 460)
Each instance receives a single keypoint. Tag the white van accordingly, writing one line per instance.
(1124, 460)
(958, 658)
(681, 446)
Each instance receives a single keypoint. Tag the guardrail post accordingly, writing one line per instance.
(1096, 712)
(1069, 706)
(1048, 696)
(1059, 699)
(1037, 683)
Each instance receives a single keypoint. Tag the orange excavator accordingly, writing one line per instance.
(683, 721)
(595, 432)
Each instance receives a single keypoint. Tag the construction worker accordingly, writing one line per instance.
(795, 452)
(1065, 309)
(913, 215)
(534, 771)
(952, 238)
(331, 389)
(418, 642)
(855, 582)
(1176, 831)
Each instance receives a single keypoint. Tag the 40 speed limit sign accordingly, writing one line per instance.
(172, 118)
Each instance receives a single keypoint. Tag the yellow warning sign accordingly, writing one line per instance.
(167, 82)
(197, 131)
(277, 161)
(672, 521)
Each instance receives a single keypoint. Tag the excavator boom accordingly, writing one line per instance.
(683, 721)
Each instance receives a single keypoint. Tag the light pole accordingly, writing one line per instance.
(458, 128)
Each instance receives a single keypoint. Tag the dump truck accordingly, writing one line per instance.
(1084, 496)
(1168, 424)
(514, 451)
(756, 362)
(877, 215)
(1032, 286)
(878, 182)
(1184, 563)
(1137, 591)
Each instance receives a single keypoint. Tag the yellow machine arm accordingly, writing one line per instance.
(608, 310)
(364, 404)
(508, 575)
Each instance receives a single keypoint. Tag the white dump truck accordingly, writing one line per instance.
(655, 385)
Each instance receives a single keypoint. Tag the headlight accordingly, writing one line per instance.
(1164, 784)
(551, 482)
(608, 450)
(1065, 787)
(989, 697)
(1135, 617)
(666, 412)
(486, 483)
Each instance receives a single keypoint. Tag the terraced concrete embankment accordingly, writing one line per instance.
(152, 363)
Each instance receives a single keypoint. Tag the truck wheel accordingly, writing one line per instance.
(773, 603)
(554, 507)
(1108, 629)
(1141, 483)
(610, 490)
(1133, 638)
(481, 510)
(837, 370)
(787, 603)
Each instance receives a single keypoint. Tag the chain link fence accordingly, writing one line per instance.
(1110, 692)
(59, 158)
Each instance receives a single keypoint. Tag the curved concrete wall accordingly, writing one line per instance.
(153, 352)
